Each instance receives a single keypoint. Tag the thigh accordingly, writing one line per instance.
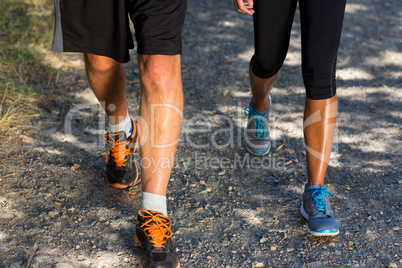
(273, 21)
(100, 27)
(321, 26)
(158, 25)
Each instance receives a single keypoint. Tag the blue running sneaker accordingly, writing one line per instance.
(256, 134)
(317, 210)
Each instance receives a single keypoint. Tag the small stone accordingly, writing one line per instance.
(350, 243)
(230, 188)
(381, 213)
(338, 253)
(259, 264)
(276, 222)
(263, 240)
(289, 250)
(193, 185)
(58, 204)
(71, 210)
(225, 244)
(392, 265)
(53, 214)
(77, 247)
(76, 166)
(103, 219)
(259, 209)
(222, 173)
(273, 248)
(80, 258)
(206, 191)
(202, 183)
(396, 229)
(369, 218)
(399, 182)
(348, 188)
(6, 216)
(126, 260)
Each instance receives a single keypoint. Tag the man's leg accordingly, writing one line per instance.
(107, 78)
(161, 115)
(161, 108)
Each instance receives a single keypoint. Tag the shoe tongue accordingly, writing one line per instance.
(118, 135)
(313, 188)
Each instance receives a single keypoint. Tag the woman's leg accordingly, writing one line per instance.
(321, 26)
(272, 25)
(318, 127)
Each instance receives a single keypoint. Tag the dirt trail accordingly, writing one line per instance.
(229, 209)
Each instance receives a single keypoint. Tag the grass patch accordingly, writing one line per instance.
(26, 29)
(17, 101)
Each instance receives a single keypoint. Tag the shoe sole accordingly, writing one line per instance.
(139, 244)
(122, 186)
(325, 232)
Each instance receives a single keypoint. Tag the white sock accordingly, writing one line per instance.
(154, 202)
(125, 125)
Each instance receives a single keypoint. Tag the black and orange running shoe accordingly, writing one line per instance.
(154, 236)
(121, 169)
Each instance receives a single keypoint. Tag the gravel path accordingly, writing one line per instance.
(229, 209)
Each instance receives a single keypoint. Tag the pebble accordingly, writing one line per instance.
(53, 214)
(230, 188)
(273, 248)
(396, 229)
(58, 204)
(126, 260)
(7, 216)
(259, 209)
(202, 183)
(351, 243)
(338, 253)
(289, 250)
(193, 185)
(263, 240)
(222, 173)
(80, 258)
(392, 265)
(103, 219)
(399, 182)
(259, 264)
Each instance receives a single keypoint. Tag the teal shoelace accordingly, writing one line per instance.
(261, 132)
(318, 196)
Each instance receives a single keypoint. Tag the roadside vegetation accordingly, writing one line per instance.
(26, 28)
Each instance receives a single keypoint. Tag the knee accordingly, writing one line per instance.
(265, 68)
(320, 81)
(158, 73)
(100, 64)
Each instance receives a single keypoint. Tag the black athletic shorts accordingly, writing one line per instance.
(101, 27)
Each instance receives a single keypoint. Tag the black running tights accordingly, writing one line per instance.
(321, 26)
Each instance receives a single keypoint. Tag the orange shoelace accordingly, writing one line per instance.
(119, 149)
(157, 226)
